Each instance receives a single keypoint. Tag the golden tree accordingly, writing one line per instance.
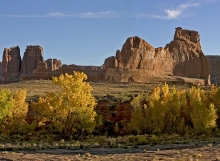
(13, 120)
(6, 103)
(203, 114)
(19, 112)
(138, 119)
(72, 109)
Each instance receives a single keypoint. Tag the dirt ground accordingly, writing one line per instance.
(176, 152)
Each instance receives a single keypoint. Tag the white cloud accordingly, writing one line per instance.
(57, 14)
(104, 14)
(174, 13)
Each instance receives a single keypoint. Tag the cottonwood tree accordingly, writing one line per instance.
(71, 111)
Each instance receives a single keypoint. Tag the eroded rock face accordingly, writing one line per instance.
(181, 57)
(53, 64)
(189, 60)
(214, 68)
(11, 63)
(31, 58)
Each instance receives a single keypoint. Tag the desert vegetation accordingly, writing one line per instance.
(65, 117)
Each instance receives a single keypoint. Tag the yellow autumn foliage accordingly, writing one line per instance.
(176, 111)
(15, 122)
(71, 111)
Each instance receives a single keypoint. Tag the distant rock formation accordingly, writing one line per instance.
(214, 68)
(53, 64)
(181, 57)
(42, 71)
(31, 58)
(182, 60)
(11, 64)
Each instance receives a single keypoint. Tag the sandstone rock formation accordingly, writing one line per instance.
(42, 71)
(181, 57)
(31, 58)
(53, 64)
(11, 63)
(137, 61)
(214, 68)
(188, 56)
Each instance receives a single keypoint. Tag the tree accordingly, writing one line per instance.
(16, 121)
(138, 119)
(13, 111)
(72, 109)
(6, 103)
(203, 114)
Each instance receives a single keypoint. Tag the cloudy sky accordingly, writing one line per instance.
(85, 32)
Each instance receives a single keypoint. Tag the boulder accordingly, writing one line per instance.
(11, 63)
(214, 68)
(31, 58)
(181, 57)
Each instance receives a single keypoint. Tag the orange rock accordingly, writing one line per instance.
(181, 57)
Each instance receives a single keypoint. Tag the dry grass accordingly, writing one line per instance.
(33, 87)
(40, 87)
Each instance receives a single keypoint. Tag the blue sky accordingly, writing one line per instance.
(85, 32)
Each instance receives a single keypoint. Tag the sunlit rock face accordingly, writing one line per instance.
(181, 57)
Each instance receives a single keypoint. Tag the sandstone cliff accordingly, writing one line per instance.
(11, 63)
(31, 58)
(214, 68)
(181, 57)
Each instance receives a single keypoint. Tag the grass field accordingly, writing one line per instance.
(40, 87)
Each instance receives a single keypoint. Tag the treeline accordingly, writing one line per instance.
(176, 111)
(70, 113)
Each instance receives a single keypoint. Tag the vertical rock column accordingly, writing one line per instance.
(11, 63)
(31, 58)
